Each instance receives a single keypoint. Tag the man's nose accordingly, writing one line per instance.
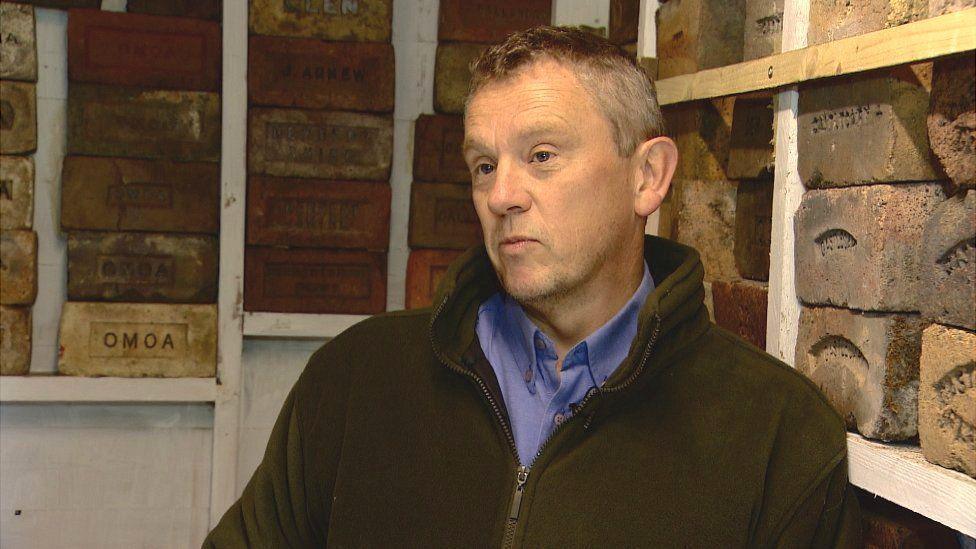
(508, 194)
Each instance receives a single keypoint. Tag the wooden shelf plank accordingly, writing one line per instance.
(297, 325)
(899, 473)
(54, 388)
(918, 41)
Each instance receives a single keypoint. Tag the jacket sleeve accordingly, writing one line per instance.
(828, 517)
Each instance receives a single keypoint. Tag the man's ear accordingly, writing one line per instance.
(654, 163)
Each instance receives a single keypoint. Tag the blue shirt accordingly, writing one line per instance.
(538, 397)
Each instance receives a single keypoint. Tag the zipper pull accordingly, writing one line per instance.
(521, 475)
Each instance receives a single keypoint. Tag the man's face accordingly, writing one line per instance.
(555, 200)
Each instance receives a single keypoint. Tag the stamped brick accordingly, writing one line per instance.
(867, 366)
(706, 221)
(624, 15)
(143, 50)
(948, 263)
(751, 139)
(753, 228)
(305, 280)
(425, 269)
(952, 118)
(140, 267)
(835, 19)
(437, 154)
(15, 340)
(16, 192)
(443, 216)
(942, 7)
(130, 122)
(947, 398)
(325, 214)
(18, 267)
(489, 21)
(18, 117)
(123, 194)
(763, 32)
(740, 307)
(18, 43)
(200, 9)
(138, 340)
(698, 34)
(452, 75)
(312, 74)
(338, 20)
(865, 129)
(861, 247)
(702, 131)
(319, 144)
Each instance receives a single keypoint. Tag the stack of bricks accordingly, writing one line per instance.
(18, 140)
(443, 222)
(320, 142)
(141, 193)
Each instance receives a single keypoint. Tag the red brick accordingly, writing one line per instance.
(425, 269)
(740, 307)
(489, 21)
(437, 154)
(201, 9)
(443, 216)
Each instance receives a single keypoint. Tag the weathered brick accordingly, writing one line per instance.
(706, 221)
(740, 307)
(18, 117)
(763, 32)
(698, 34)
(885, 525)
(947, 398)
(122, 194)
(437, 154)
(667, 215)
(948, 263)
(130, 122)
(624, 15)
(489, 21)
(425, 269)
(751, 139)
(311, 280)
(952, 118)
(942, 7)
(702, 131)
(319, 144)
(200, 9)
(312, 74)
(443, 216)
(835, 19)
(16, 192)
(308, 212)
(143, 50)
(753, 228)
(18, 267)
(140, 267)
(866, 364)
(861, 247)
(18, 43)
(864, 129)
(338, 20)
(15, 340)
(452, 75)
(138, 340)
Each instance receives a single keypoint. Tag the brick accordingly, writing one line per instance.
(667, 215)
(129, 122)
(952, 112)
(18, 267)
(706, 221)
(138, 340)
(860, 247)
(624, 15)
(835, 19)
(489, 21)
(751, 138)
(942, 7)
(200, 9)
(328, 214)
(947, 398)
(141, 267)
(16, 192)
(123, 194)
(63, 4)
(885, 525)
(18, 43)
(698, 34)
(702, 131)
(443, 216)
(425, 269)
(312, 74)
(15, 340)
(753, 228)
(867, 366)
(948, 263)
(319, 144)
(740, 307)
(143, 50)
(763, 32)
(314, 281)
(337, 20)
(18, 117)
(437, 154)
(452, 75)
(865, 129)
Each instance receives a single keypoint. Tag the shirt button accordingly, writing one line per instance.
(527, 376)
(558, 419)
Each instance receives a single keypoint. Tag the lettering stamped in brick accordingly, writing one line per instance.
(437, 149)
(442, 216)
(16, 192)
(337, 20)
(18, 117)
(18, 43)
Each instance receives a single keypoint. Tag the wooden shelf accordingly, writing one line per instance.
(899, 473)
(918, 41)
(55, 388)
(297, 325)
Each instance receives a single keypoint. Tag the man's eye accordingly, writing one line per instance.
(485, 169)
(542, 156)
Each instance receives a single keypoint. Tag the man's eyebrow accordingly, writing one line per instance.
(545, 128)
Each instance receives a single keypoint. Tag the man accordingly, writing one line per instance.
(567, 388)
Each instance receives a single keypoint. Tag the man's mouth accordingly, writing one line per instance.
(516, 243)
